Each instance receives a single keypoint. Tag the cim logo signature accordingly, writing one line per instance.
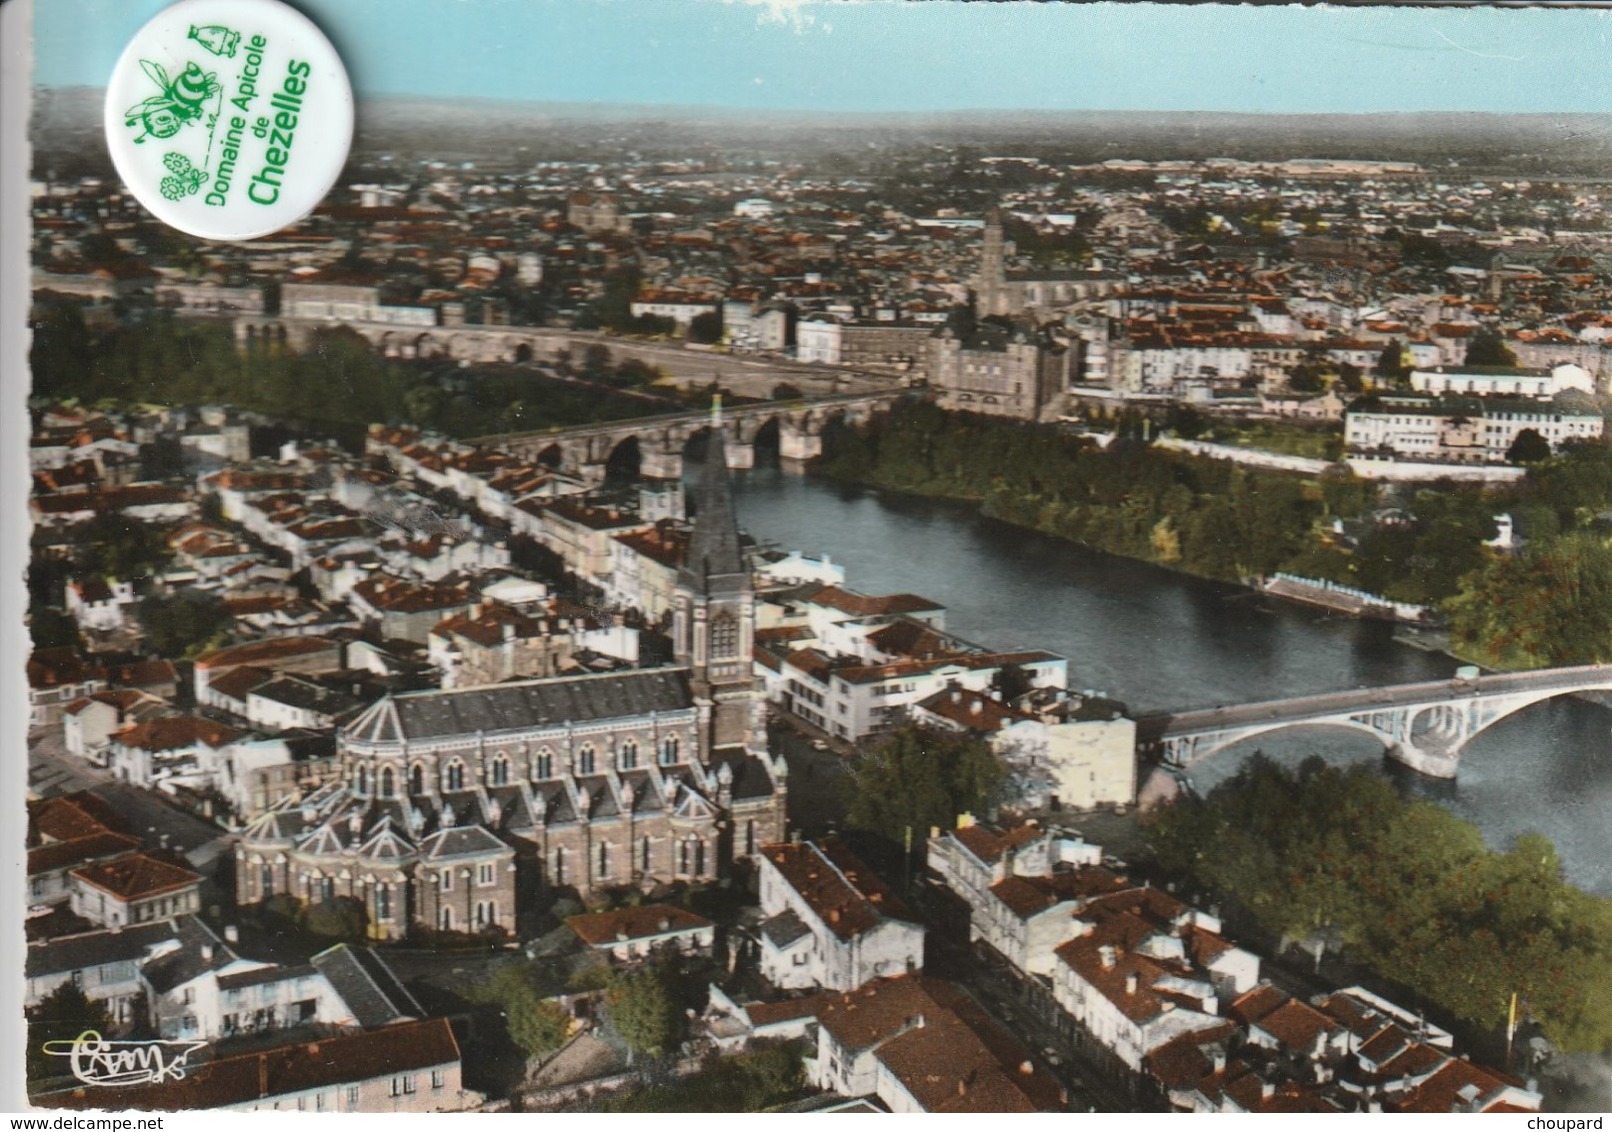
(97, 1061)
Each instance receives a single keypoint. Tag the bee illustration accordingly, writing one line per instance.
(179, 103)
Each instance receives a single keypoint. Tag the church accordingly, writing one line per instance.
(456, 809)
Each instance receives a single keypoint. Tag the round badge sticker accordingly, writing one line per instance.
(229, 119)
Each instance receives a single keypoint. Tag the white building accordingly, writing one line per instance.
(1502, 381)
(830, 921)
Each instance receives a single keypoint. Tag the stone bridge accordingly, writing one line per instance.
(585, 451)
(1425, 726)
(481, 345)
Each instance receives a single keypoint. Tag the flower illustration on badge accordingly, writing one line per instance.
(178, 102)
(186, 178)
(217, 38)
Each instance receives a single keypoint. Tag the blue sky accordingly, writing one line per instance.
(935, 56)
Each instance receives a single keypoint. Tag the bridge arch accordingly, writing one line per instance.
(1426, 727)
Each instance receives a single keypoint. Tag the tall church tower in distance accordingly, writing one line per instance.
(990, 285)
(713, 624)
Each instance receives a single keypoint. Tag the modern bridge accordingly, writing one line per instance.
(585, 450)
(1425, 726)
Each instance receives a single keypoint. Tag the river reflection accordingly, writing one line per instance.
(1156, 639)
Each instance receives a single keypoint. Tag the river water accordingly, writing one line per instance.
(1156, 639)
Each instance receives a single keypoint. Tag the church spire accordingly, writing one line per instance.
(715, 563)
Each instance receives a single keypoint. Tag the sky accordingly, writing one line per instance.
(933, 56)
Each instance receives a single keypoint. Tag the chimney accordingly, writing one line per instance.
(976, 707)
(1025, 1068)
(207, 952)
(665, 924)
(232, 934)
(1267, 1090)
(1131, 983)
(1105, 953)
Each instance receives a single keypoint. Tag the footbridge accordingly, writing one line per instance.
(1425, 726)
(584, 451)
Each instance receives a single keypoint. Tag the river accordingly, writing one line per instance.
(1156, 639)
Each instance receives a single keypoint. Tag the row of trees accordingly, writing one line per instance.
(1405, 888)
(1209, 518)
(1551, 604)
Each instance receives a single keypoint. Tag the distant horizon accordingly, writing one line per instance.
(657, 108)
(935, 58)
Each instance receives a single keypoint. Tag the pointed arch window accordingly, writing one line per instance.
(629, 754)
(388, 783)
(585, 759)
(545, 765)
(363, 780)
(416, 779)
(669, 750)
(500, 771)
(454, 776)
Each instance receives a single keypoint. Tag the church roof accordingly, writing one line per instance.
(524, 705)
(461, 841)
(714, 563)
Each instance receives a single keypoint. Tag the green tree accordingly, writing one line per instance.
(1392, 364)
(918, 777)
(51, 628)
(342, 918)
(1551, 605)
(705, 327)
(785, 391)
(61, 1016)
(1528, 448)
(185, 624)
(645, 1011)
(1487, 348)
(536, 1024)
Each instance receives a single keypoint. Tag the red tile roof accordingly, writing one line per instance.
(602, 929)
(848, 896)
(137, 876)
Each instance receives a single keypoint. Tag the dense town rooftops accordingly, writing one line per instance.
(939, 1045)
(865, 605)
(79, 851)
(71, 816)
(649, 921)
(137, 876)
(265, 653)
(174, 733)
(843, 892)
(54, 667)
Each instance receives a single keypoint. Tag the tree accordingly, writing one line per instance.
(1392, 364)
(536, 1024)
(1487, 348)
(918, 777)
(705, 327)
(61, 1016)
(785, 391)
(184, 624)
(343, 918)
(1010, 682)
(1528, 448)
(644, 1010)
(51, 628)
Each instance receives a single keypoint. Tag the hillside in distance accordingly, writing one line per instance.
(513, 135)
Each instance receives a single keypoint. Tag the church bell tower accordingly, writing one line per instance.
(713, 622)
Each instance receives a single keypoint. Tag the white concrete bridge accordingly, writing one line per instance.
(585, 451)
(1425, 726)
